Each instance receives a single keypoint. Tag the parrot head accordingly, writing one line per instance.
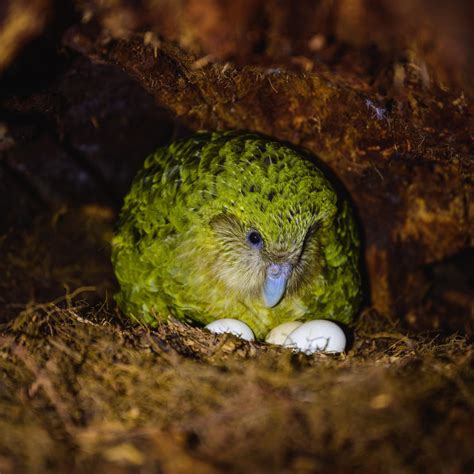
(268, 244)
(256, 266)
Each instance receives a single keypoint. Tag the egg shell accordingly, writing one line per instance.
(279, 333)
(318, 335)
(231, 326)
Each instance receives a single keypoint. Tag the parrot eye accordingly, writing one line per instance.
(255, 239)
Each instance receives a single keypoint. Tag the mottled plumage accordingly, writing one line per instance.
(234, 225)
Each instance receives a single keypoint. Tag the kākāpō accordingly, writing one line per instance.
(236, 225)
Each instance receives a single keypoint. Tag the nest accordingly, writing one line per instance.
(82, 388)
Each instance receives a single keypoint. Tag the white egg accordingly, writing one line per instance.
(279, 333)
(317, 336)
(231, 326)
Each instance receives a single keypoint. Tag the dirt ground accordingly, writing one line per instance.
(88, 88)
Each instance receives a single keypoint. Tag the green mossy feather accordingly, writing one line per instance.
(181, 244)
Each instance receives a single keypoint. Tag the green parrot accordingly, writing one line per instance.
(236, 225)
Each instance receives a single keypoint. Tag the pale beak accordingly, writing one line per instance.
(274, 287)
